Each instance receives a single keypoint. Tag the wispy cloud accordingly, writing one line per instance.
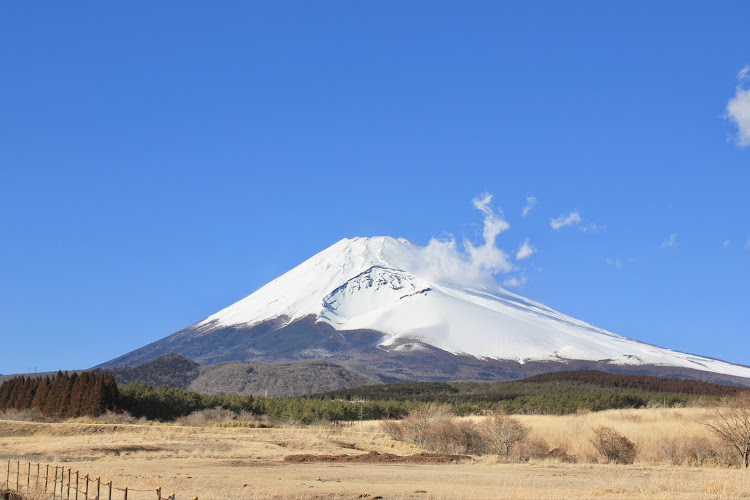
(725, 244)
(747, 245)
(670, 242)
(616, 262)
(530, 204)
(571, 219)
(591, 228)
(515, 282)
(525, 250)
(738, 108)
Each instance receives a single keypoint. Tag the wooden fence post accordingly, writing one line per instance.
(67, 496)
(78, 482)
(158, 493)
(38, 475)
(126, 493)
(28, 478)
(46, 479)
(98, 486)
(86, 491)
(54, 485)
(7, 476)
(18, 475)
(109, 497)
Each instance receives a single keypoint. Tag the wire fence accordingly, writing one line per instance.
(67, 484)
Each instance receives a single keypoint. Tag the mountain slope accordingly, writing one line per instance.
(379, 305)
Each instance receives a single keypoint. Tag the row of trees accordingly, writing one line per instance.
(62, 395)
(644, 383)
(168, 403)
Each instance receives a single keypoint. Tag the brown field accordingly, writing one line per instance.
(244, 463)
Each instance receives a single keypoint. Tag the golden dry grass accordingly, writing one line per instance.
(653, 431)
(241, 463)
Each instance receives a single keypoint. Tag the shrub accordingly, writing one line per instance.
(501, 433)
(698, 449)
(613, 446)
(534, 448)
(205, 418)
(451, 437)
(392, 429)
(415, 427)
(671, 450)
(561, 455)
(28, 415)
(731, 424)
(116, 417)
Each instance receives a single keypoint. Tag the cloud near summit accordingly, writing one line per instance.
(470, 263)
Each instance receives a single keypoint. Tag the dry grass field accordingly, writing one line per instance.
(245, 463)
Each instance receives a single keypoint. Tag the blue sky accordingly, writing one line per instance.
(161, 160)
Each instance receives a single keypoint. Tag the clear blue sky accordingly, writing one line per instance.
(161, 160)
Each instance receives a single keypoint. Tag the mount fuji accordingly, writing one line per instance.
(376, 307)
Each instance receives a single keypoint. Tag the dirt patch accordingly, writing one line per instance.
(374, 457)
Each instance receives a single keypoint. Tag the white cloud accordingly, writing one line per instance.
(725, 244)
(472, 264)
(530, 204)
(525, 250)
(616, 262)
(515, 282)
(592, 228)
(670, 242)
(571, 219)
(738, 108)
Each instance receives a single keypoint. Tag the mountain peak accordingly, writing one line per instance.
(301, 291)
(383, 286)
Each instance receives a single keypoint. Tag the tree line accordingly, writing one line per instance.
(63, 395)
(71, 395)
(644, 383)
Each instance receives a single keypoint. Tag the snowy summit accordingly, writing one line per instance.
(393, 287)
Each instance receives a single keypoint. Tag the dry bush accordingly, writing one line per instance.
(561, 455)
(671, 450)
(119, 417)
(697, 449)
(613, 446)
(206, 418)
(28, 415)
(501, 434)
(392, 429)
(244, 424)
(453, 436)
(533, 448)
(689, 450)
(415, 427)
(731, 424)
(578, 422)
(248, 420)
(435, 428)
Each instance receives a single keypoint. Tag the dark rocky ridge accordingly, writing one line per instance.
(245, 378)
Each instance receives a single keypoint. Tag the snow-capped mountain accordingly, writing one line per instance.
(373, 301)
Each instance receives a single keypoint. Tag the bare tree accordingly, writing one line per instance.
(731, 423)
